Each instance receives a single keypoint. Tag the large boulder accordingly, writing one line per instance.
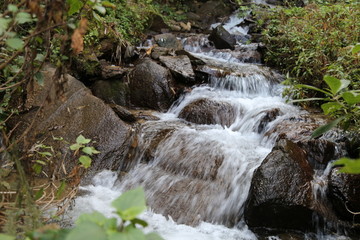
(206, 111)
(222, 38)
(180, 67)
(111, 91)
(344, 194)
(150, 86)
(280, 194)
(76, 112)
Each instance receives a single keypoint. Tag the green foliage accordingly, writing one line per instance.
(95, 226)
(351, 166)
(81, 145)
(314, 41)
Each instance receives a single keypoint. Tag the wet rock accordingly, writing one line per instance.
(206, 111)
(269, 116)
(344, 192)
(180, 67)
(86, 67)
(157, 52)
(280, 194)
(111, 91)
(168, 40)
(150, 86)
(211, 12)
(199, 42)
(222, 38)
(78, 112)
(110, 71)
(123, 113)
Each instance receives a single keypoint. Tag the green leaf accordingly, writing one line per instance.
(94, 217)
(76, 146)
(15, 43)
(6, 237)
(5, 184)
(139, 221)
(312, 88)
(40, 162)
(12, 8)
(100, 9)
(39, 194)
(351, 98)
(308, 99)
(75, 6)
(40, 57)
(331, 107)
(48, 154)
(153, 236)
(323, 129)
(356, 49)
(60, 190)
(108, 4)
(130, 233)
(4, 24)
(82, 140)
(39, 77)
(130, 204)
(335, 84)
(37, 168)
(351, 166)
(85, 161)
(88, 231)
(90, 150)
(23, 17)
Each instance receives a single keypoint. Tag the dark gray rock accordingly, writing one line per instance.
(111, 91)
(150, 86)
(344, 194)
(280, 194)
(180, 67)
(123, 113)
(168, 40)
(222, 38)
(206, 111)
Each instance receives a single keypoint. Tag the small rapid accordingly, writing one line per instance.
(197, 172)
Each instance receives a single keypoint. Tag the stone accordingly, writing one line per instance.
(280, 194)
(168, 40)
(222, 39)
(76, 112)
(180, 67)
(206, 111)
(112, 91)
(344, 192)
(150, 86)
(123, 113)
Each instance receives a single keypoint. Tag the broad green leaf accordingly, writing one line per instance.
(82, 140)
(39, 77)
(90, 150)
(335, 84)
(6, 237)
(85, 161)
(87, 231)
(351, 166)
(75, 6)
(153, 236)
(130, 233)
(12, 8)
(76, 146)
(15, 43)
(130, 204)
(4, 24)
(351, 98)
(100, 9)
(40, 57)
(323, 129)
(94, 217)
(312, 88)
(23, 17)
(356, 49)
(308, 99)
(331, 107)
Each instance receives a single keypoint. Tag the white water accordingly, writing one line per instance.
(200, 174)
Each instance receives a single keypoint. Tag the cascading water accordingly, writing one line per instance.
(199, 174)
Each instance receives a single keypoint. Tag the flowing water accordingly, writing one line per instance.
(197, 175)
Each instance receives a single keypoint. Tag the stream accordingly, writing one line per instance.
(197, 172)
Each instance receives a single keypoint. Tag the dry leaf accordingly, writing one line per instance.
(77, 39)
